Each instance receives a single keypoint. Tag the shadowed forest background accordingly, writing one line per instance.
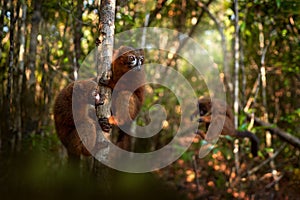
(42, 46)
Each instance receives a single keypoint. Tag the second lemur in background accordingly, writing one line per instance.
(221, 110)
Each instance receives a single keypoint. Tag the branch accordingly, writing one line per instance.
(71, 12)
(255, 169)
(274, 182)
(160, 4)
(224, 46)
(277, 131)
(200, 16)
(190, 34)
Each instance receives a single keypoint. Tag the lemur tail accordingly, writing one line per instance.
(254, 140)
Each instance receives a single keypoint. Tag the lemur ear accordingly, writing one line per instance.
(141, 51)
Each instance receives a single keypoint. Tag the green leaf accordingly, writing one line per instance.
(269, 150)
(278, 2)
(228, 137)
(243, 26)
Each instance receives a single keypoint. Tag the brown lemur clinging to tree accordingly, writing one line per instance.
(222, 111)
(124, 59)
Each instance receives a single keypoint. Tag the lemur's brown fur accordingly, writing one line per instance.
(127, 86)
(63, 116)
(84, 102)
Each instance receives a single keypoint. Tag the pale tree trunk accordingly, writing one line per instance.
(236, 80)
(104, 60)
(104, 56)
(244, 77)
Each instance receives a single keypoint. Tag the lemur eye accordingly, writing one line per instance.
(202, 112)
(141, 59)
(131, 58)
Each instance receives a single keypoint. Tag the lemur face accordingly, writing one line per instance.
(135, 61)
(129, 57)
(203, 107)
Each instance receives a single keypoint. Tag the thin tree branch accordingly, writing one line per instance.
(159, 6)
(255, 169)
(275, 182)
(277, 131)
(224, 47)
(190, 34)
(78, 20)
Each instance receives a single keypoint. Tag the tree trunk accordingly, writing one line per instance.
(35, 21)
(3, 8)
(104, 59)
(77, 37)
(10, 63)
(19, 73)
(9, 96)
(46, 83)
(28, 94)
(2, 90)
(236, 80)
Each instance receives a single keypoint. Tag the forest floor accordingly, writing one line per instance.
(217, 180)
(40, 171)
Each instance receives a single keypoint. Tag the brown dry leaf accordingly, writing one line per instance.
(211, 184)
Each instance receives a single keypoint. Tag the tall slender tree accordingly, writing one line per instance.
(236, 77)
(77, 37)
(28, 98)
(104, 60)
